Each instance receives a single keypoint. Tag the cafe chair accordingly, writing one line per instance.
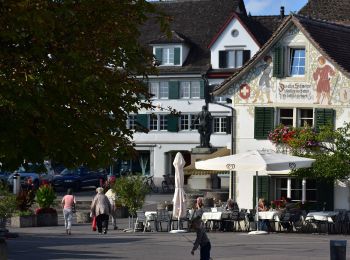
(163, 218)
(140, 223)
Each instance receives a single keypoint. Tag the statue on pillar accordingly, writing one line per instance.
(205, 126)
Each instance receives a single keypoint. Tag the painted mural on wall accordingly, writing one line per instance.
(322, 84)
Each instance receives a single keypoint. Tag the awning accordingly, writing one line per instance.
(191, 170)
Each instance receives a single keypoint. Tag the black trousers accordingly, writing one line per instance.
(205, 252)
(102, 222)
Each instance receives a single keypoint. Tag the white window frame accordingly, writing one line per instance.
(220, 124)
(154, 89)
(185, 126)
(296, 116)
(163, 122)
(168, 56)
(234, 64)
(185, 89)
(290, 50)
(132, 122)
(289, 189)
(163, 90)
(280, 117)
(153, 122)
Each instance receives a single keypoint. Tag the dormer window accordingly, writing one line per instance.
(233, 58)
(168, 56)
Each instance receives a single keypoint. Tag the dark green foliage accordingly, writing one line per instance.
(68, 79)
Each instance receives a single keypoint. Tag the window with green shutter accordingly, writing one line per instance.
(324, 117)
(263, 188)
(173, 123)
(142, 122)
(174, 89)
(177, 56)
(263, 122)
(278, 62)
(159, 55)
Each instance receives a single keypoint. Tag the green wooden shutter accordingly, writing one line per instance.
(278, 62)
(246, 56)
(174, 89)
(325, 195)
(324, 117)
(202, 89)
(159, 55)
(263, 189)
(142, 120)
(222, 59)
(263, 122)
(173, 123)
(176, 56)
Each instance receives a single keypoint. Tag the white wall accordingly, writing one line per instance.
(244, 41)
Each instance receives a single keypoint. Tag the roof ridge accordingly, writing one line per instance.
(325, 22)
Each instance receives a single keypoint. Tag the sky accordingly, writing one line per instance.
(272, 7)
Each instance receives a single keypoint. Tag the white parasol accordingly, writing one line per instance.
(179, 200)
(256, 160)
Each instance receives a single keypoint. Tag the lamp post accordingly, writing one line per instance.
(209, 99)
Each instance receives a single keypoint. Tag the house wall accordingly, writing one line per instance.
(225, 41)
(295, 92)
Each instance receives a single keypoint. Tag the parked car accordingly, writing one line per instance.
(3, 177)
(78, 178)
(26, 178)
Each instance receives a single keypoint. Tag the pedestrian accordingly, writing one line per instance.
(101, 208)
(112, 197)
(68, 203)
(202, 240)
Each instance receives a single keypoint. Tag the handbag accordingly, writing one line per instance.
(74, 209)
(94, 228)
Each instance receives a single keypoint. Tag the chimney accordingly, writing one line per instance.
(282, 12)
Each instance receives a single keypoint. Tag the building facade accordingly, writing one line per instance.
(300, 77)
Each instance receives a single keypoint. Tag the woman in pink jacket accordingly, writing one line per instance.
(68, 202)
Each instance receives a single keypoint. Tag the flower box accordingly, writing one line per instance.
(23, 221)
(46, 217)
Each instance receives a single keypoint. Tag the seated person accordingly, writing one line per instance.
(231, 205)
(264, 224)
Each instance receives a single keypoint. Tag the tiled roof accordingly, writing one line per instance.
(331, 39)
(262, 27)
(330, 10)
(195, 20)
(175, 38)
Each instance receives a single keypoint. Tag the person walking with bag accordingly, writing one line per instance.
(68, 206)
(112, 196)
(202, 240)
(101, 208)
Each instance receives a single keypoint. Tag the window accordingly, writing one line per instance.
(185, 122)
(286, 116)
(159, 89)
(196, 125)
(230, 59)
(153, 89)
(132, 120)
(220, 124)
(295, 189)
(306, 117)
(167, 56)
(190, 89)
(153, 123)
(297, 62)
(163, 122)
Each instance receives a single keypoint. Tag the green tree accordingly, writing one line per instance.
(68, 79)
(330, 148)
(131, 191)
(7, 203)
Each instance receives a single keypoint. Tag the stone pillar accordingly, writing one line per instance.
(303, 190)
(289, 188)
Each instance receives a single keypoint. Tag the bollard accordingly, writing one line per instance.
(338, 249)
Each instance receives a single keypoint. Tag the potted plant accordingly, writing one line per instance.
(45, 198)
(131, 192)
(24, 216)
(7, 206)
